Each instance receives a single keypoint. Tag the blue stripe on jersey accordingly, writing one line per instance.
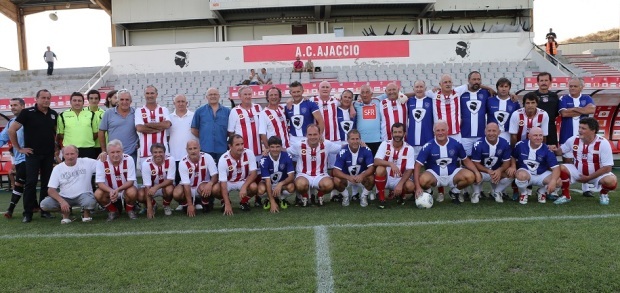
(420, 121)
(345, 124)
(500, 111)
(473, 113)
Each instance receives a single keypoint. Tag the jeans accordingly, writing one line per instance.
(50, 68)
(36, 165)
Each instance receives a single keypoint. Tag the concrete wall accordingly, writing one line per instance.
(132, 11)
(569, 49)
(171, 36)
(481, 47)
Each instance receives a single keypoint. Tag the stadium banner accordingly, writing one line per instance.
(594, 82)
(56, 102)
(322, 51)
(312, 89)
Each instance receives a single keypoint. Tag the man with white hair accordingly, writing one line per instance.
(73, 178)
(440, 157)
(446, 106)
(420, 117)
(180, 131)
(115, 179)
(392, 111)
(530, 165)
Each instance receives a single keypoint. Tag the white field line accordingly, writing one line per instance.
(289, 228)
(324, 276)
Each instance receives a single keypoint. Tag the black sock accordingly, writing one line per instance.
(15, 197)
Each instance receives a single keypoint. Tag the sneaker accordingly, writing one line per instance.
(355, 197)
(320, 201)
(542, 198)
(283, 204)
(483, 196)
(552, 196)
(179, 208)
(167, 210)
(400, 200)
(515, 196)
(245, 207)
(363, 201)
(111, 216)
(87, 219)
(523, 198)
(345, 201)
(562, 200)
(267, 204)
(604, 199)
(382, 204)
(455, 197)
(498, 196)
(258, 202)
(65, 221)
(132, 215)
(440, 197)
(337, 198)
(140, 208)
(304, 201)
(8, 214)
(371, 196)
(466, 196)
(198, 207)
(475, 197)
(461, 196)
(588, 194)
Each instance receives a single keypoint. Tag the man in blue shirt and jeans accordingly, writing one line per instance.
(210, 125)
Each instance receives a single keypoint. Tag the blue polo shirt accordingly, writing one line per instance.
(212, 128)
(123, 129)
(4, 139)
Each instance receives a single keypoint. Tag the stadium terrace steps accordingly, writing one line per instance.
(590, 64)
(27, 82)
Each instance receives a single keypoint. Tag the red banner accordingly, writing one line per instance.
(312, 89)
(595, 82)
(321, 51)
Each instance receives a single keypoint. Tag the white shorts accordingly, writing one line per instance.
(139, 165)
(391, 182)
(331, 158)
(468, 144)
(313, 181)
(505, 135)
(416, 151)
(446, 180)
(234, 185)
(574, 175)
(537, 180)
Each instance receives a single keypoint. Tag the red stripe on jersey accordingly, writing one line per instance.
(304, 158)
(596, 160)
(278, 121)
(323, 160)
(403, 161)
(457, 109)
(203, 167)
(388, 122)
(576, 159)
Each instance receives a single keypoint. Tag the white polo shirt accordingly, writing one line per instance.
(180, 134)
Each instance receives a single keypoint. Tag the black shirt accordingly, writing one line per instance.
(39, 130)
(550, 102)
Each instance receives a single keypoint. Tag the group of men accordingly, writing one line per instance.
(307, 148)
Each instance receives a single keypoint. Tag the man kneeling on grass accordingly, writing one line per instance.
(354, 167)
(237, 171)
(198, 180)
(278, 174)
(158, 173)
(73, 178)
(115, 179)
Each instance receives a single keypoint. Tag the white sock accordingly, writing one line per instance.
(502, 185)
(345, 193)
(522, 185)
(585, 187)
(365, 192)
(477, 188)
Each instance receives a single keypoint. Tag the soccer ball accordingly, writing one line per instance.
(425, 201)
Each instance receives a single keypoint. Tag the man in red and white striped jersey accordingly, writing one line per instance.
(237, 169)
(273, 121)
(152, 123)
(327, 106)
(394, 164)
(392, 112)
(198, 179)
(592, 161)
(158, 172)
(311, 168)
(526, 118)
(115, 179)
(446, 106)
(244, 120)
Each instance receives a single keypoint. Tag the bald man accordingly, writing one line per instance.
(530, 165)
(210, 124)
(440, 157)
(491, 156)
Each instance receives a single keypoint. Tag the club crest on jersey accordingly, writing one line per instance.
(474, 106)
(107, 170)
(501, 117)
(275, 177)
(353, 170)
(346, 126)
(451, 152)
(153, 172)
(230, 168)
(521, 123)
(490, 162)
(241, 116)
(418, 114)
(303, 152)
(144, 115)
(384, 106)
(427, 105)
(444, 162)
(270, 117)
(388, 152)
(297, 121)
(531, 165)
(575, 147)
(545, 99)
(281, 166)
(360, 160)
(190, 170)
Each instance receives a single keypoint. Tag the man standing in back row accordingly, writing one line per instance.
(39, 124)
(152, 123)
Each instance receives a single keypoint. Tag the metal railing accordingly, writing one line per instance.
(95, 79)
(554, 60)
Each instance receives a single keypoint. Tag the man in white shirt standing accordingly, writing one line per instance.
(180, 131)
(72, 177)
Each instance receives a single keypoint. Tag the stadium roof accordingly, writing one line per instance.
(34, 6)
